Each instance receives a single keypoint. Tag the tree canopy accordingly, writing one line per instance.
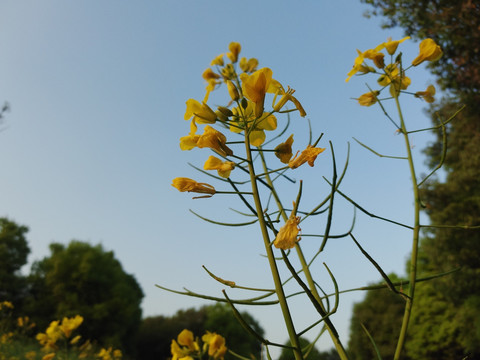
(87, 280)
(156, 333)
(14, 251)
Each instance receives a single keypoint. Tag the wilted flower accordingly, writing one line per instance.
(429, 50)
(284, 150)
(287, 236)
(309, 154)
(427, 95)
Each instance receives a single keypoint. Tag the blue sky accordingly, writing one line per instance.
(97, 92)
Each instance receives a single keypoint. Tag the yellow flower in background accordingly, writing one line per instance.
(215, 140)
(369, 98)
(287, 236)
(249, 65)
(372, 54)
(308, 155)
(31, 355)
(427, 95)
(75, 340)
(70, 324)
(429, 51)
(217, 61)
(6, 305)
(216, 345)
(185, 338)
(224, 168)
(183, 184)
(284, 150)
(48, 356)
(235, 49)
(391, 45)
(201, 112)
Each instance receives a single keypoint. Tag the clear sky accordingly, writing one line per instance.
(97, 92)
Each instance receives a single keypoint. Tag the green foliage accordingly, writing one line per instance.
(156, 333)
(87, 280)
(14, 251)
(381, 313)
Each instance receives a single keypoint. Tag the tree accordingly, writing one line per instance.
(14, 251)
(156, 333)
(451, 303)
(381, 314)
(87, 280)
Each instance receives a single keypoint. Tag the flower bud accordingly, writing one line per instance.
(232, 90)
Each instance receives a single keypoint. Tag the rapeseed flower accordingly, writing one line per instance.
(288, 96)
(391, 45)
(215, 140)
(249, 65)
(287, 236)
(235, 49)
(255, 87)
(70, 324)
(429, 51)
(216, 345)
(308, 155)
(284, 150)
(201, 112)
(427, 95)
(369, 98)
(224, 168)
(183, 184)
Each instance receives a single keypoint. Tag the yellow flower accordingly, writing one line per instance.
(68, 325)
(372, 54)
(48, 356)
(375, 56)
(215, 140)
(369, 98)
(309, 154)
(427, 95)
(31, 355)
(190, 141)
(245, 119)
(117, 354)
(255, 86)
(185, 338)
(232, 90)
(391, 45)
(284, 150)
(224, 168)
(288, 96)
(75, 340)
(216, 345)
(429, 50)
(235, 49)
(189, 185)
(6, 304)
(249, 65)
(208, 74)
(287, 236)
(218, 60)
(201, 112)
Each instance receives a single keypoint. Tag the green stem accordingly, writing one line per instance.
(271, 258)
(415, 240)
(306, 269)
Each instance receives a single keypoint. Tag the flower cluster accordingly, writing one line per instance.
(392, 75)
(186, 347)
(244, 114)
